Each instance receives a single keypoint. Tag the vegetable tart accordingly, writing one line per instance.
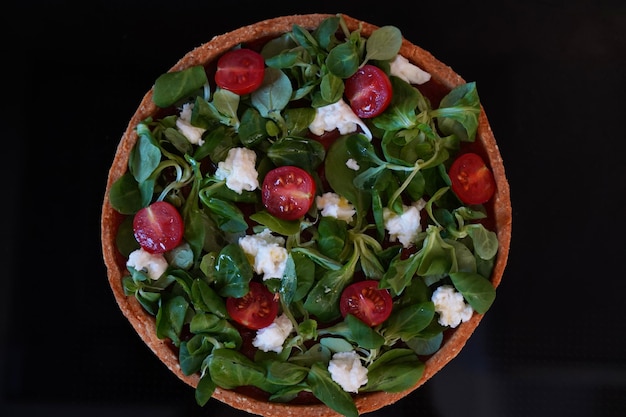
(308, 215)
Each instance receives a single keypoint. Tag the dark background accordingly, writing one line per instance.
(551, 76)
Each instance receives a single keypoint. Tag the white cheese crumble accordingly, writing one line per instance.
(272, 337)
(266, 253)
(412, 74)
(336, 206)
(346, 369)
(239, 170)
(154, 264)
(451, 306)
(406, 226)
(352, 164)
(183, 123)
(339, 116)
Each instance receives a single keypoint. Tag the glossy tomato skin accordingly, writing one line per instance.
(288, 192)
(158, 227)
(368, 91)
(240, 71)
(471, 180)
(255, 310)
(367, 302)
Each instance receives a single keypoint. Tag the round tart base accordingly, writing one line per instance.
(144, 324)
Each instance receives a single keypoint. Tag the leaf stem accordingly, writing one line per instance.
(405, 184)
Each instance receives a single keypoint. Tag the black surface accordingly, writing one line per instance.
(551, 76)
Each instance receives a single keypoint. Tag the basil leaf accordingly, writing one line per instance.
(476, 289)
(305, 153)
(285, 373)
(407, 322)
(145, 156)
(485, 241)
(274, 94)
(425, 345)
(227, 215)
(394, 371)
(170, 319)
(192, 353)
(125, 196)
(231, 369)
(204, 390)
(458, 112)
(384, 43)
(325, 32)
(362, 334)
(276, 225)
(332, 236)
(323, 300)
(329, 392)
(174, 86)
(232, 272)
(343, 60)
(289, 282)
(400, 273)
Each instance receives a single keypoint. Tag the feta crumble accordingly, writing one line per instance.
(154, 264)
(272, 337)
(406, 226)
(339, 116)
(336, 206)
(352, 164)
(412, 74)
(266, 253)
(451, 306)
(239, 170)
(183, 123)
(346, 369)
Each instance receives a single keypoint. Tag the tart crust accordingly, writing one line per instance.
(144, 324)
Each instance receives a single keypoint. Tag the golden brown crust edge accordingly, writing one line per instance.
(144, 324)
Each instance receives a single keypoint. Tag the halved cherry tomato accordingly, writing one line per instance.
(158, 227)
(255, 310)
(471, 180)
(367, 302)
(240, 71)
(288, 192)
(368, 91)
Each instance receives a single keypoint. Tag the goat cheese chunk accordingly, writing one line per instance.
(272, 337)
(153, 264)
(412, 74)
(339, 116)
(406, 226)
(183, 123)
(266, 253)
(451, 306)
(334, 205)
(346, 369)
(239, 170)
(353, 164)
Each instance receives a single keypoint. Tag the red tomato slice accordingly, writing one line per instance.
(240, 71)
(368, 91)
(471, 180)
(255, 310)
(288, 192)
(364, 300)
(159, 227)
